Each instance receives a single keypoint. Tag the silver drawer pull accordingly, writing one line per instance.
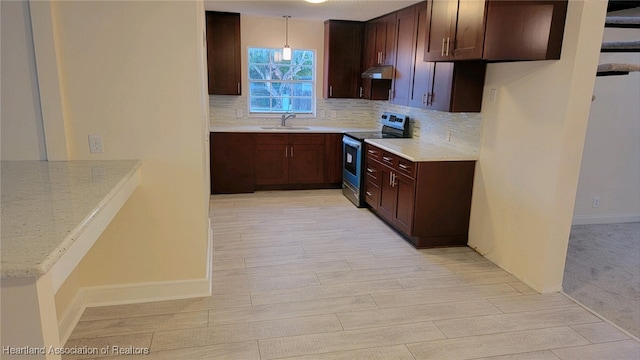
(387, 158)
(372, 151)
(368, 193)
(403, 166)
(370, 170)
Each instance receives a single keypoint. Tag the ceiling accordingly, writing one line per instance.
(360, 10)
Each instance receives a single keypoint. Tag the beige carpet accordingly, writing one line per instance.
(603, 271)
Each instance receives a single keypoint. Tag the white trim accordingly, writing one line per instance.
(61, 270)
(600, 316)
(71, 316)
(129, 294)
(145, 292)
(604, 219)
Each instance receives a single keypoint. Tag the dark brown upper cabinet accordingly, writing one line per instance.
(223, 53)
(379, 49)
(443, 86)
(495, 30)
(342, 54)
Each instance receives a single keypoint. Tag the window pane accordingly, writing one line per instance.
(259, 56)
(303, 89)
(302, 105)
(259, 72)
(259, 88)
(260, 104)
(303, 73)
(276, 86)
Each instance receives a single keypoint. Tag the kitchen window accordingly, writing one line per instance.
(277, 86)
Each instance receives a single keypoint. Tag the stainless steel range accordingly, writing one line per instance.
(393, 126)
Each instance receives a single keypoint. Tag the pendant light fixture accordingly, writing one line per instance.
(286, 50)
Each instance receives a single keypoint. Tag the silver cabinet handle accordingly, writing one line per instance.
(368, 193)
(372, 151)
(442, 48)
(370, 170)
(238, 88)
(386, 158)
(361, 91)
(403, 166)
(286, 151)
(292, 151)
(448, 39)
(330, 91)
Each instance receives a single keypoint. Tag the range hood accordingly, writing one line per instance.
(379, 72)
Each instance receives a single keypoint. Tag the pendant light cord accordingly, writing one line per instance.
(286, 30)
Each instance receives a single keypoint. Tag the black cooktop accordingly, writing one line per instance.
(371, 135)
(393, 126)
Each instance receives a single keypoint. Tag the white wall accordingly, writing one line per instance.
(532, 141)
(134, 72)
(611, 160)
(21, 128)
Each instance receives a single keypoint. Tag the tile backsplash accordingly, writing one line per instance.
(459, 130)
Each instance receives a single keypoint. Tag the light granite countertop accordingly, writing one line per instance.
(47, 205)
(293, 129)
(416, 151)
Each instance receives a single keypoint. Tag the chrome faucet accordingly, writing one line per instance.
(285, 117)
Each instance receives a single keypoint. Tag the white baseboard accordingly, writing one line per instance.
(604, 219)
(71, 316)
(91, 296)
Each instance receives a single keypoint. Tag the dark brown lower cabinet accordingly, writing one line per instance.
(231, 163)
(297, 161)
(428, 202)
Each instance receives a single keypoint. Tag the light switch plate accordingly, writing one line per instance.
(95, 144)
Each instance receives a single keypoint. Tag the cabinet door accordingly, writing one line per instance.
(223, 53)
(389, 30)
(271, 155)
(440, 93)
(441, 27)
(404, 53)
(524, 30)
(271, 164)
(343, 49)
(387, 200)
(405, 202)
(469, 36)
(422, 70)
(333, 158)
(306, 164)
(232, 164)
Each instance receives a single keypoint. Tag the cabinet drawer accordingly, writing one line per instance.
(389, 159)
(372, 171)
(372, 192)
(406, 167)
(373, 153)
(307, 139)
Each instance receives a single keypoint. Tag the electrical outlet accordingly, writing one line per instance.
(95, 144)
(448, 135)
(596, 202)
(493, 94)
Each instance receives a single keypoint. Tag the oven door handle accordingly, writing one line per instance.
(351, 142)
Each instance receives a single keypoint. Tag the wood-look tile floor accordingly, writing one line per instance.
(306, 275)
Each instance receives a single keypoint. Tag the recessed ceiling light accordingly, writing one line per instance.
(315, 1)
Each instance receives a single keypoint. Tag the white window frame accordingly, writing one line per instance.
(278, 114)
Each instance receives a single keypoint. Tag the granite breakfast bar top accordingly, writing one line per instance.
(418, 151)
(47, 206)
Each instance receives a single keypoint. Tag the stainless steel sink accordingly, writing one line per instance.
(285, 128)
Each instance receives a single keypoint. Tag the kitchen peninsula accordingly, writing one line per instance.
(52, 214)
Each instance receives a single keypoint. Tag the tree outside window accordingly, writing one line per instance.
(278, 86)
